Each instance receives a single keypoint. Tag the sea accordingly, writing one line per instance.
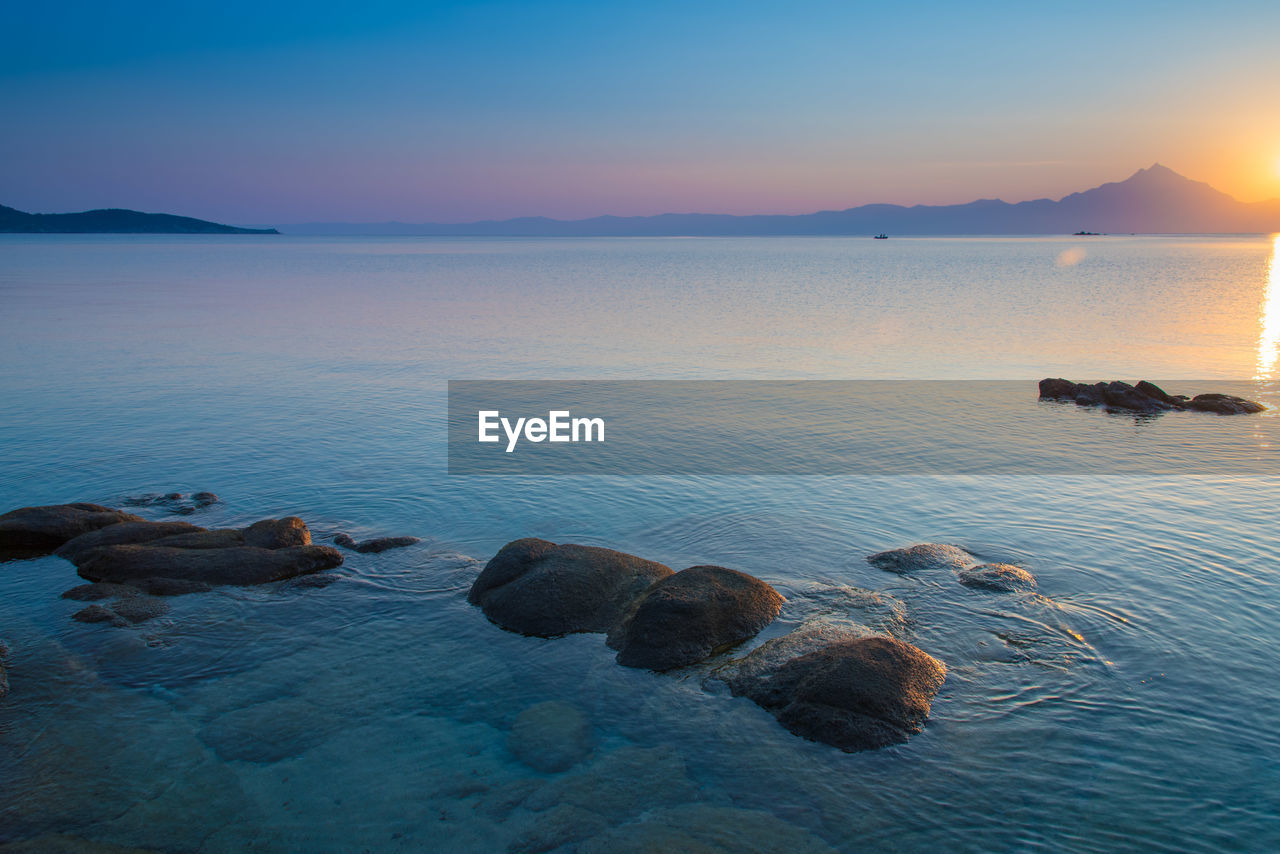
(1128, 704)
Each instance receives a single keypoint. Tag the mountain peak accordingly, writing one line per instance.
(1157, 171)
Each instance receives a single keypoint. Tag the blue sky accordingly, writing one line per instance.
(290, 112)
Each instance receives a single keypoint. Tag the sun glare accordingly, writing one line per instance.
(1269, 337)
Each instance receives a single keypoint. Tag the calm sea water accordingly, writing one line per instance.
(1130, 705)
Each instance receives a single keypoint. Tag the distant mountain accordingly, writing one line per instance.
(1151, 201)
(113, 221)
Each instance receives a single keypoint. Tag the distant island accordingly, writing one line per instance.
(113, 221)
(1156, 200)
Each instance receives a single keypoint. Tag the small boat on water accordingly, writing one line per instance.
(882, 236)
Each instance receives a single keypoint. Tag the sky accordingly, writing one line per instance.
(288, 112)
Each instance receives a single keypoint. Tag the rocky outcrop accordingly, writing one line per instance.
(124, 534)
(110, 547)
(691, 615)
(1144, 398)
(39, 530)
(857, 694)
(539, 588)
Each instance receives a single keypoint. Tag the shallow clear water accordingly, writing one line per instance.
(1127, 706)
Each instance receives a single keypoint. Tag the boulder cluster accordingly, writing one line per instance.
(131, 561)
(855, 694)
(968, 570)
(1143, 398)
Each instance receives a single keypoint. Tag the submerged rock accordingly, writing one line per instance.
(375, 545)
(926, 556)
(536, 587)
(859, 694)
(130, 609)
(1001, 577)
(620, 784)
(692, 614)
(43, 529)
(1144, 398)
(95, 592)
(381, 544)
(99, 614)
(238, 565)
(706, 829)
(550, 737)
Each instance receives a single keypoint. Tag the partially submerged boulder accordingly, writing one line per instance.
(42, 529)
(691, 615)
(858, 694)
(539, 588)
(1144, 398)
(375, 545)
(1000, 577)
(277, 533)
(922, 557)
(238, 565)
(124, 533)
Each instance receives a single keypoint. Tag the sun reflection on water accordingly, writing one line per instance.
(1269, 338)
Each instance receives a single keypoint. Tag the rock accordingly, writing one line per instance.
(375, 545)
(174, 496)
(859, 694)
(691, 615)
(45, 528)
(204, 499)
(1154, 392)
(277, 533)
(309, 582)
(64, 844)
(138, 609)
(270, 731)
(124, 533)
(1000, 577)
(749, 673)
(169, 586)
(98, 592)
(706, 829)
(1057, 389)
(561, 825)
(536, 587)
(218, 538)
(622, 783)
(381, 544)
(1224, 404)
(1144, 398)
(550, 737)
(240, 565)
(99, 614)
(926, 556)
